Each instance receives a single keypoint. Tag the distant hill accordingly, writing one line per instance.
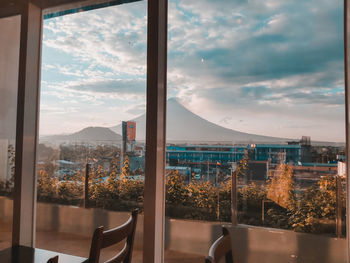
(185, 126)
(89, 134)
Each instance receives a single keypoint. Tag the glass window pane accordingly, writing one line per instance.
(9, 61)
(92, 127)
(256, 93)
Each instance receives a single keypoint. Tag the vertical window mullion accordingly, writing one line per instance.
(27, 126)
(154, 196)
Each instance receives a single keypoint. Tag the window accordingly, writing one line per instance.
(268, 80)
(92, 125)
(9, 57)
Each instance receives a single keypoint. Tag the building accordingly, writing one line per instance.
(258, 171)
(206, 157)
(276, 153)
(200, 154)
(129, 136)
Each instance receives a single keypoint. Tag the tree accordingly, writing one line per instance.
(46, 186)
(126, 168)
(281, 188)
(176, 191)
(202, 198)
(316, 206)
(242, 173)
(250, 199)
(242, 167)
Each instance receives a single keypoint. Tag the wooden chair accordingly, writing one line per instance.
(102, 239)
(220, 249)
(53, 260)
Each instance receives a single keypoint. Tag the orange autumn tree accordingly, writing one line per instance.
(281, 186)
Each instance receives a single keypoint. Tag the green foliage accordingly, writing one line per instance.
(253, 195)
(242, 167)
(202, 195)
(116, 193)
(313, 211)
(225, 202)
(100, 194)
(250, 199)
(46, 186)
(316, 207)
(197, 200)
(176, 192)
(309, 211)
(277, 216)
(67, 190)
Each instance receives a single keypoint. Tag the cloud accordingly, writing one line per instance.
(267, 61)
(279, 44)
(137, 110)
(54, 110)
(100, 42)
(135, 87)
(258, 58)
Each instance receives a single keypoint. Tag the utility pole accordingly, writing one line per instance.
(218, 210)
(208, 170)
(86, 185)
(234, 194)
(338, 206)
(217, 190)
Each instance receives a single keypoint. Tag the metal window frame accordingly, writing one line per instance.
(24, 208)
(27, 117)
(32, 14)
(154, 194)
(347, 116)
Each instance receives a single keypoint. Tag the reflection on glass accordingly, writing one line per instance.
(9, 60)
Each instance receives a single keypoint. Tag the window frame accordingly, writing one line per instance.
(32, 13)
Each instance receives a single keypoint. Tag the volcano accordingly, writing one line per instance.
(185, 126)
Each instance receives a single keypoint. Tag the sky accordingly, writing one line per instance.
(266, 67)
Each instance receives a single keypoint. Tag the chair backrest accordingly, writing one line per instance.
(221, 248)
(102, 239)
(53, 260)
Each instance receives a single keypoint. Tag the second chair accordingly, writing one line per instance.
(53, 260)
(221, 249)
(102, 239)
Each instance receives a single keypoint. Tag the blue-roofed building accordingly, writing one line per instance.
(211, 160)
(199, 154)
(276, 153)
(226, 154)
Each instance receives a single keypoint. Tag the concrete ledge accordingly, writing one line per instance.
(250, 244)
(186, 236)
(191, 236)
(82, 221)
(6, 209)
(270, 245)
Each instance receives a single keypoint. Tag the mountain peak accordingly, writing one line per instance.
(172, 99)
(174, 102)
(185, 126)
(88, 134)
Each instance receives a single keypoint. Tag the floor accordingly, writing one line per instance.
(79, 246)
